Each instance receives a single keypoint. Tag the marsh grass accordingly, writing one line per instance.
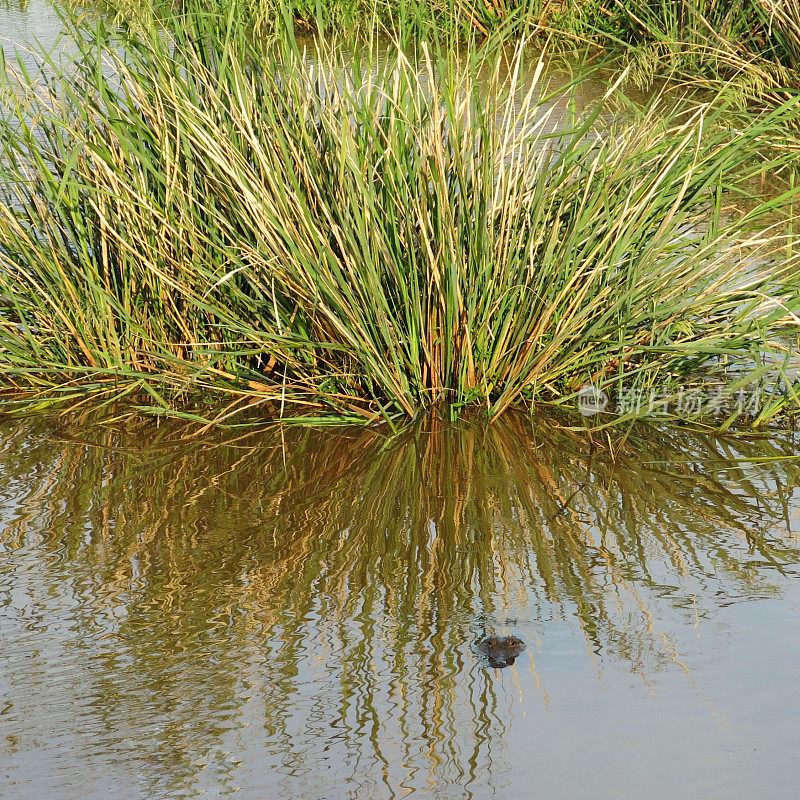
(460, 19)
(752, 46)
(726, 34)
(190, 222)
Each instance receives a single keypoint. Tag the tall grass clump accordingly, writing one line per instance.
(188, 221)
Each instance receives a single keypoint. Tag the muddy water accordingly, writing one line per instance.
(300, 614)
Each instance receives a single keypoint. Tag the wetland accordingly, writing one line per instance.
(439, 575)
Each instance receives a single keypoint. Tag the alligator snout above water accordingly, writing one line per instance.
(501, 651)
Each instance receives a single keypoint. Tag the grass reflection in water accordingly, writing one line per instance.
(312, 602)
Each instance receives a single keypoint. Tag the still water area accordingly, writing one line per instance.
(302, 613)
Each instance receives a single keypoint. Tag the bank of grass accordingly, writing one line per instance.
(360, 19)
(708, 38)
(203, 228)
(751, 46)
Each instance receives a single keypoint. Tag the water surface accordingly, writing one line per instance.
(295, 613)
(27, 25)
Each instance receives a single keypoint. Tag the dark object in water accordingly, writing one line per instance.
(501, 651)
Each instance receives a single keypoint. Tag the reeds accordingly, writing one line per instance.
(185, 216)
(754, 44)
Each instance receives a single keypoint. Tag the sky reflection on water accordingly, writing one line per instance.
(23, 24)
